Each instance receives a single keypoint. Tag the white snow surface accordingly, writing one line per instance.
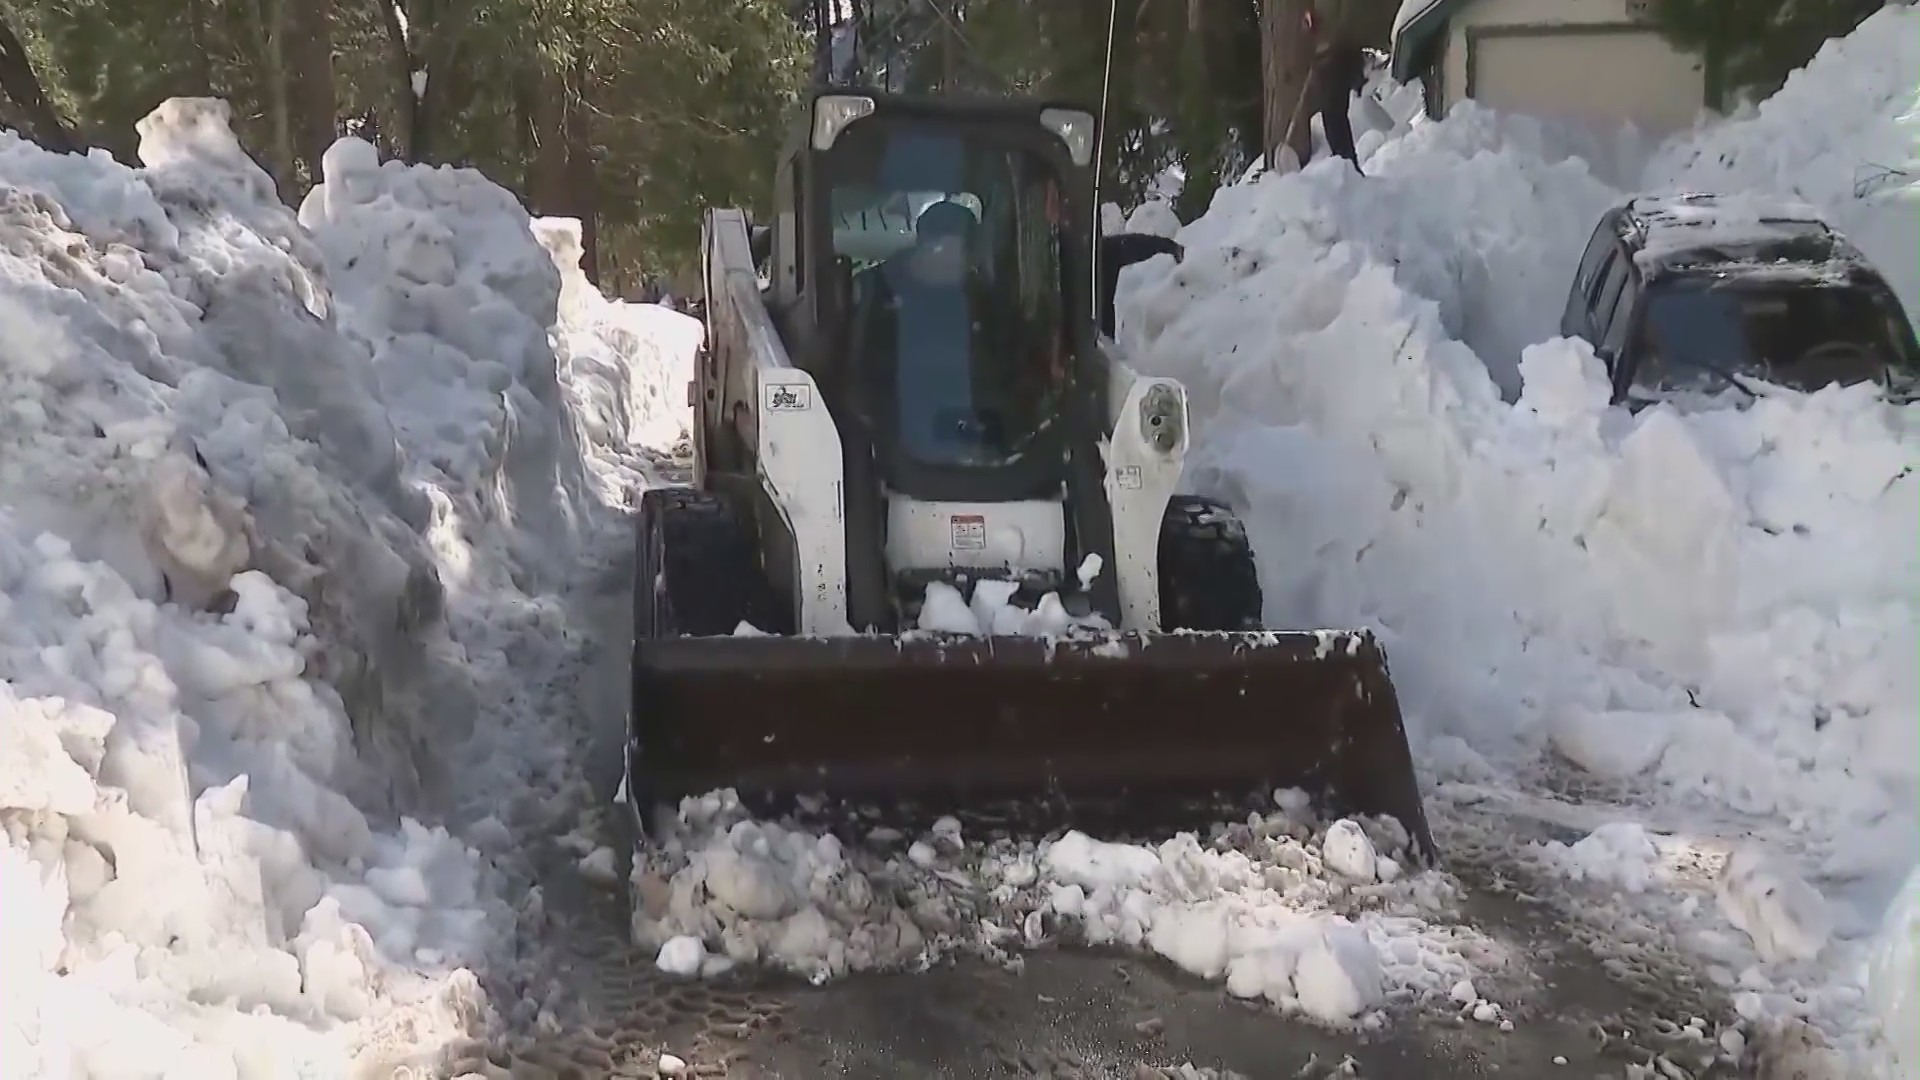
(1703, 614)
(280, 498)
(1257, 904)
(277, 495)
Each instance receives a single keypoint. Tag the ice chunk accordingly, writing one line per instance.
(1349, 851)
(682, 955)
(1787, 918)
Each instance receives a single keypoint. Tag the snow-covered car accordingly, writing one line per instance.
(1697, 291)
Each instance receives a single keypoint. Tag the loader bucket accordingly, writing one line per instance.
(956, 721)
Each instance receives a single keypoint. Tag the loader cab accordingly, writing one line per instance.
(929, 264)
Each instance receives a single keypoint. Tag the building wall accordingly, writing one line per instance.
(1575, 59)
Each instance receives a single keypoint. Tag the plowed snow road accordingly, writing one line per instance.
(1070, 1012)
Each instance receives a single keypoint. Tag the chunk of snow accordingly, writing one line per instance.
(991, 610)
(945, 610)
(1616, 744)
(598, 866)
(1089, 570)
(1349, 852)
(1325, 968)
(1620, 853)
(682, 955)
(1261, 919)
(1787, 918)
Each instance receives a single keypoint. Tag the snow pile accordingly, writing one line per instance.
(1842, 134)
(1710, 610)
(1621, 854)
(631, 363)
(1318, 921)
(251, 477)
(1892, 980)
(1787, 918)
(991, 608)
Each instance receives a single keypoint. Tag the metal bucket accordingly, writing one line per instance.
(934, 720)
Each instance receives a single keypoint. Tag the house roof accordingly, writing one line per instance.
(1415, 25)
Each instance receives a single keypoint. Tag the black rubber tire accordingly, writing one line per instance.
(1208, 579)
(697, 572)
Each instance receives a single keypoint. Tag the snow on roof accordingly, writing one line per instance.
(1738, 229)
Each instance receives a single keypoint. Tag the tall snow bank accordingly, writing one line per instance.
(635, 360)
(255, 481)
(441, 281)
(1894, 981)
(1710, 608)
(1842, 134)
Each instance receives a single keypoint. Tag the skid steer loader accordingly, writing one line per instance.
(917, 391)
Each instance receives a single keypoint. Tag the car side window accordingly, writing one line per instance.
(1611, 285)
(1598, 247)
(1575, 319)
(1620, 316)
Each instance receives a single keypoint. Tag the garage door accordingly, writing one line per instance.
(1589, 75)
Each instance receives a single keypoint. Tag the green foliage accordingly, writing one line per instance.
(680, 101)
(109, 62)
(637, 113)
(1757, 43)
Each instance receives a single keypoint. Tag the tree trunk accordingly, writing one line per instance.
(270, 35)
(563, 177)
(400, 64)
(583, 173)
(427, 49)
(200, 41)
(21, 84)
(527, 100)
(547, 170)
(1286, 64)
(310, 45)
(1203, 117)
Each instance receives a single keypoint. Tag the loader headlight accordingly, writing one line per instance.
(832, 114)
(1163, 418)
(1075, 128)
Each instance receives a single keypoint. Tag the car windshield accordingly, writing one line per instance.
(1792, 334)
(951, 241)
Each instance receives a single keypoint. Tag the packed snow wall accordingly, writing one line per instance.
(285, 504)
(1708, 612)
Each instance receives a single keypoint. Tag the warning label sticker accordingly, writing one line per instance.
(969, 532)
